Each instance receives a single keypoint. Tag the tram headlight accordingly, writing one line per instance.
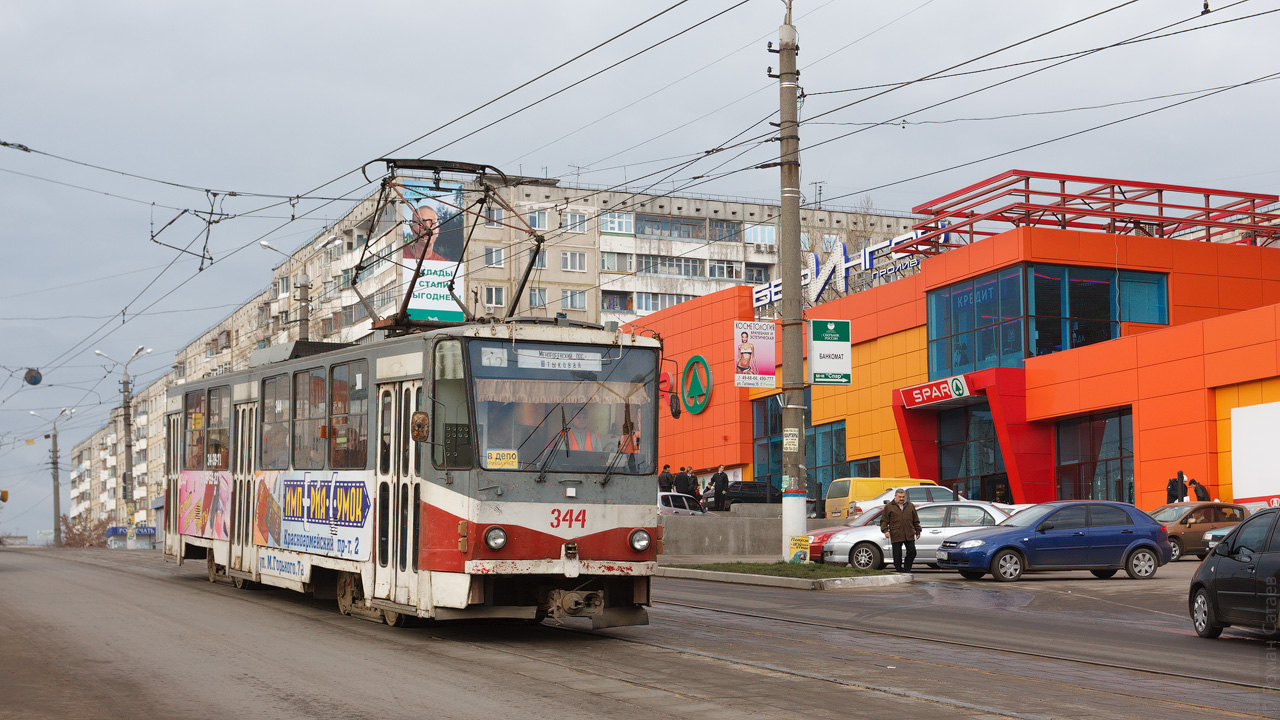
(495, 538)
(640, 540)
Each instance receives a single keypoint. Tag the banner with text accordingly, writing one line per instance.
(322, 513)
(433, 227)
(830, 354)
(754, 364)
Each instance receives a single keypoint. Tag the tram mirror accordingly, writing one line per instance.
(420, 427)
(675, 405)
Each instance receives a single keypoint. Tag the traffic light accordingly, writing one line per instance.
(4, 496)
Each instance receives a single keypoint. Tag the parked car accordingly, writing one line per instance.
(750, 491)
(843, 494)
(818, 538)
(1188, 522)
(866, 548)
(1102, 537)
(1239, 582)
(670, 503)
(1214, 536)
(915, 493)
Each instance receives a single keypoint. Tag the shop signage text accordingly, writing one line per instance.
(951, 388)
(830, 353)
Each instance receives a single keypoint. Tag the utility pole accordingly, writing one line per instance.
(793, 468)
(57, 485)
(123, 516)
(304, 306)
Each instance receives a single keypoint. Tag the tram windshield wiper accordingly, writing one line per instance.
(555, 445)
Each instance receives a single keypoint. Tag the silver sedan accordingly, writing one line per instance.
(866, 547)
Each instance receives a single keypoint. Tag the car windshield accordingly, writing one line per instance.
(1028, 517)
(568, 408)
(867, 517)
(1171, 513)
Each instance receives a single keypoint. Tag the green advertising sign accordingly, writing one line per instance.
(830, 353)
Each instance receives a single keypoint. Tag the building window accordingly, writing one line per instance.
(757, 274)
(824, 449)
(573, 299)
(830, 241)
(495, 296)
(573, 261)
(541, 261)
(615, 262)
(652, 302)
(662, 265)
(804, 241)
(573, 222)
(724, 230)
(1070, 307)
(616, 301)
(760, 234)
(658, 226)
(493, 257)
(1095, 457)
(538, 220)
(537, 297)
(976, 324)
(617, 223)
(724, 269)
(969, 457)
(493, 216)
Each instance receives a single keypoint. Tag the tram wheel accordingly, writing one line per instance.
(212, 567)
(395, 619)
(346, 592)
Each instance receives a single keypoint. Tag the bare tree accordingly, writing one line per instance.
(84, 532)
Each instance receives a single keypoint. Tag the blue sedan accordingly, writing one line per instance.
(1102, 537)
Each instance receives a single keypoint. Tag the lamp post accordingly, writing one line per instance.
(57, 488)
(126, 518)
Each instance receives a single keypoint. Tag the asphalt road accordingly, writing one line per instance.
(105, 634)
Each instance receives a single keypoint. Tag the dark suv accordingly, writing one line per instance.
(751, 491)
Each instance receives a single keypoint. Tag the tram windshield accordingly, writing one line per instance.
(565, 408)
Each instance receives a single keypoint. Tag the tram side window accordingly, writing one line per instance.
(308, 420)
(348, 415)
(451, 421)
(219, 432)
(194, 424)
(274, 447)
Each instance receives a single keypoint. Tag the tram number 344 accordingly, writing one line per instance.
(568, 518)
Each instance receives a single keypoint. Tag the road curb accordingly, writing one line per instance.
(843, 583)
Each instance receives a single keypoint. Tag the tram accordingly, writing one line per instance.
(501, 469)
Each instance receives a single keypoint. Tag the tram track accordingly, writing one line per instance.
(968, 645)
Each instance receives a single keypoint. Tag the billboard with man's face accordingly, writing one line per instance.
(433, 228)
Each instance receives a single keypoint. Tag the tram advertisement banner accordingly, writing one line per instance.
(433, 228)
(204, 504)
(322, 513)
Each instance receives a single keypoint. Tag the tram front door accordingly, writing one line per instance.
(398, 498)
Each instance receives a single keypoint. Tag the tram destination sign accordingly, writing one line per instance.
(830, 354)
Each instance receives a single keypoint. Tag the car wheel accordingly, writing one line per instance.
(1104, 574)
(972, 574)
(1141, 564)
(865, 556)
(1175, 549)
(1006, 566)
(1202, 616)
(1202, 555)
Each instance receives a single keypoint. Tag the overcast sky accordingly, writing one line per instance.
(279, 98)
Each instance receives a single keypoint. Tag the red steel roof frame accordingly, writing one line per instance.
(1021, 199)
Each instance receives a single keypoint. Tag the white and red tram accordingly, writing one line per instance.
(502, 470)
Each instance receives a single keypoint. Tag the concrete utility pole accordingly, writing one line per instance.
(57, 486)
(304, 306)
(125, 518)
(793, 468)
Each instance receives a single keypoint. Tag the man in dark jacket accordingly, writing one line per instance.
(1202, 494)
(719, 487)
(684, 484)
(1176, 489)
(901, 525)
(665, 481)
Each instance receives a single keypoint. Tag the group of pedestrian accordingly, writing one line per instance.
(686, 483)
(1182, 488)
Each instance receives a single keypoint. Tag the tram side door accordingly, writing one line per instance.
(398, 497)
(243, 552)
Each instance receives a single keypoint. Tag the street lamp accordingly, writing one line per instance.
(57, 488)
(127, 417)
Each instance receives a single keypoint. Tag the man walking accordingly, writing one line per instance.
(901, 525)
(1176, 490)
(719, 488)
(665, 481)
(684, 484)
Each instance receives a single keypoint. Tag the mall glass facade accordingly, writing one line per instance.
(969, 458)
(1095, 457)
(824, 448)
(999, 319)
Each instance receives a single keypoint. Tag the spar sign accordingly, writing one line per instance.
(952, 388)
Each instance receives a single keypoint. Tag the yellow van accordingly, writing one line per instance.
(844, 494)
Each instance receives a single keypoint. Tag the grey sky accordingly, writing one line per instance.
(279, 98)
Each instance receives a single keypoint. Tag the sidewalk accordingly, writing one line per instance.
(666, 561)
